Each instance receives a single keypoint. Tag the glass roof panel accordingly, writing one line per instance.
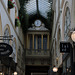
(31, 7)
(43, 7)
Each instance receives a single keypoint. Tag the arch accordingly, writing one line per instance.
(7, 27)
(0, 26)
(66, 7)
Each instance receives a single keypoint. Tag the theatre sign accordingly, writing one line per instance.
(5, 49)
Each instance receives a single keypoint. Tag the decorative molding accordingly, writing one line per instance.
(62, 3)
(18, 4)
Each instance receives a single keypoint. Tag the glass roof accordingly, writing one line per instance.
(33, 6)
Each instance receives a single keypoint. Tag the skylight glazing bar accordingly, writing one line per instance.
(37, 7)
(41, 7)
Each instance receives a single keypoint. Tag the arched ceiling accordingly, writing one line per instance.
(37, 9)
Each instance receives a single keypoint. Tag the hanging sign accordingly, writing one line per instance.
(65, 47)
(5, 49)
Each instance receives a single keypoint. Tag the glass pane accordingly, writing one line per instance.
(31, 7)
(44, 7)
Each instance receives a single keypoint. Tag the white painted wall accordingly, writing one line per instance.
(9, 19)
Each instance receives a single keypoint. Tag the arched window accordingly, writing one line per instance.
(6, 33)
(35, 42)
(67, 23)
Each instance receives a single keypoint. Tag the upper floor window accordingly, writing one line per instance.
(6, 33)
(34, 42)
(30, 41)
(67, 23)
(39, 41)
(45, 42)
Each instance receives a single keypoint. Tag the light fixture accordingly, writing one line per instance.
(73, 36)
(55, 69)
(1, 73)
(15, 73)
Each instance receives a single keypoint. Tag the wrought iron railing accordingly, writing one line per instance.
(37, 52)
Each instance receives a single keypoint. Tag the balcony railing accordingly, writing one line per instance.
(37, 52)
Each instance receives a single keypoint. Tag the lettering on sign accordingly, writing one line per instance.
(5, 49)
(65, 47)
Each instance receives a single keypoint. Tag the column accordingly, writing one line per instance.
(42, 41)
(27, 41)
(36, 43)
(33, 40)
(48, 41)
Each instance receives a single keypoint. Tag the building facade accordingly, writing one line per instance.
(64, 14)
(8, 31)
(37, 49)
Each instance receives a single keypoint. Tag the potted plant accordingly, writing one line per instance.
(10, 4)
(17, 22)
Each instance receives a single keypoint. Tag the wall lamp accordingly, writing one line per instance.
(55, 69)
(73, 36)
(1, 73)
(15, 73)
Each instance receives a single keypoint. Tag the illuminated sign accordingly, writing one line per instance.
(65, 47)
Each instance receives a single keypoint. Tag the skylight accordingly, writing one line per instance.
(43, 7)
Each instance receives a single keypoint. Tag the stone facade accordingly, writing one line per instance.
(8, 28)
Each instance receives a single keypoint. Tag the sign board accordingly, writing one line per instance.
(5, 49)
(65, 47)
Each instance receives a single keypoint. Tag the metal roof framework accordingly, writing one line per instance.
(38, 9)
